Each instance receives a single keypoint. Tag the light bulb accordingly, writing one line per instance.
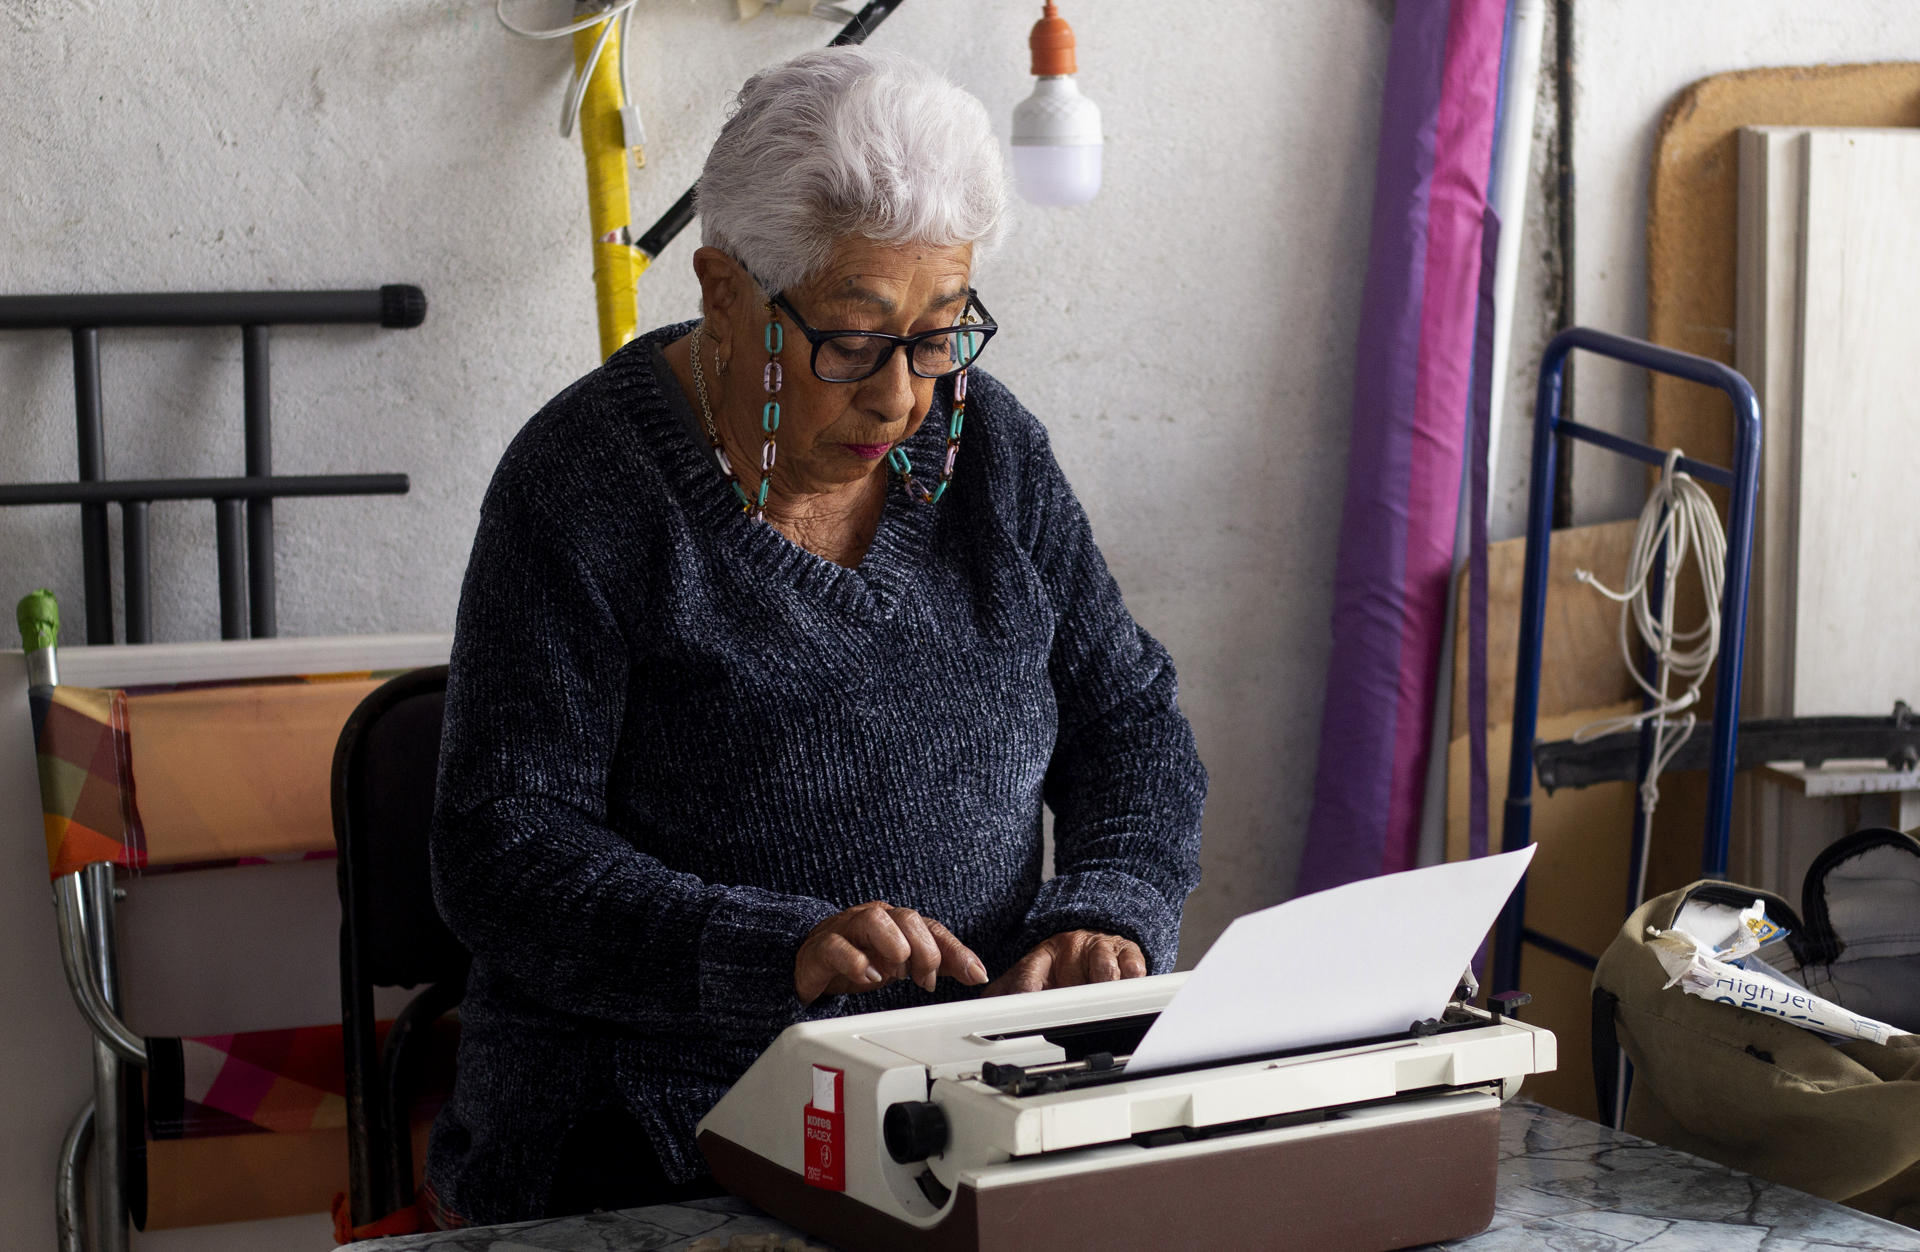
(1056, 130)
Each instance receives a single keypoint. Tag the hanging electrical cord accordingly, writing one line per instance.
(1678, 524)
(636, 136)
(596, 95)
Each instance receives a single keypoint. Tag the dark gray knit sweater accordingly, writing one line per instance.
(675, 742)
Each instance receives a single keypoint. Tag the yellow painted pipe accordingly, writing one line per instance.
(616, 262)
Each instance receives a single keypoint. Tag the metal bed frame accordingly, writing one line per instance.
(84, 901)
(246, 589)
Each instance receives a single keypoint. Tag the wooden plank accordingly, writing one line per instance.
(1582, 832)
(1692, 216)
(1856, 312)
(1693, 209)
(1856, 630)
(1843, 778)
(1767, 351)
(1580, 666)
(1576, 892)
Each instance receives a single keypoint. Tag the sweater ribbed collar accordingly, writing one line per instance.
(902, 544)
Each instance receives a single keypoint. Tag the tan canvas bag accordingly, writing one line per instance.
(1841, 1120)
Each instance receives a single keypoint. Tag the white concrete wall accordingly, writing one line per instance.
(191, 145)
(1631, 58)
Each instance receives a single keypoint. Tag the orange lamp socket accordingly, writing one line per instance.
(1052, 44)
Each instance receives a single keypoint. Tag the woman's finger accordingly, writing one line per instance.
(1133, 962)
(957, 960)
(1029, 973)
(1070, 964)
(874, 932)
(827, 962)
(923, 958)
(1034, 970)
(1103, 961)
(843, 957)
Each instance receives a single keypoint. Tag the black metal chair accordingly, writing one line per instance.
(390, 933)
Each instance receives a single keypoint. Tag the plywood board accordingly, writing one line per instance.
(1576, 892)
(1856, 632)
(1581, 666)
(1582, 832)
(1767, 351)
(1692, 210)
(1691, 299)
(1562, 1003)
(1862, 649)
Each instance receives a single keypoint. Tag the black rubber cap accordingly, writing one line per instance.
(402, 306)
(914, 1130)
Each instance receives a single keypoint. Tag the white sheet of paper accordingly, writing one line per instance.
(1367, 958)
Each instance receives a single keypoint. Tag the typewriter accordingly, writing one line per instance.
(1015, 1123)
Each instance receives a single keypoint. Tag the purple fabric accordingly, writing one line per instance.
(1478, 468)
(1412, 399)
(1351, 792)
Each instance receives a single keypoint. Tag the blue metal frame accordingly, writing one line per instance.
(1742, 479)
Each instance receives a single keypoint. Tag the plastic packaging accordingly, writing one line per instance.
(1731, 974)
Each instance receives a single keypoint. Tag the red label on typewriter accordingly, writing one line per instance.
(825, 1124)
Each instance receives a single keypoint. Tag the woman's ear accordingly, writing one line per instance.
(724, 292)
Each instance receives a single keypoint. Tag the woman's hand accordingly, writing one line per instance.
(869, 945)
(1069, 959)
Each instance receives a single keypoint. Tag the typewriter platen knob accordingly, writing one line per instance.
(914, 1130)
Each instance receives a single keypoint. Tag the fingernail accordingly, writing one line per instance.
(976, 972)
(873, 976)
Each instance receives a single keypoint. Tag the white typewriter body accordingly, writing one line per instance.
(1017, 1132)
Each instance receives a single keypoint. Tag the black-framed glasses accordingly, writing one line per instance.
(848, 356)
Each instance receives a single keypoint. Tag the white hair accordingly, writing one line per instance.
(846, 142)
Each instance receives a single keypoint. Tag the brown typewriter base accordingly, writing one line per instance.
(1370, 1189)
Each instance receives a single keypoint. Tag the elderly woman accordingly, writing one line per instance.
(760, 682)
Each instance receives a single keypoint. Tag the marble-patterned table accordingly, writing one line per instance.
(1565, 1183)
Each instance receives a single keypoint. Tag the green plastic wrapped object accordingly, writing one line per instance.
(39, 617)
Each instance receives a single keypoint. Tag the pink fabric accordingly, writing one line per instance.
(1456, 204)
(240, 1087)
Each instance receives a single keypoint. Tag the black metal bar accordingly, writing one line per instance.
(233, 574)
(115, 491)
(671, 223)
(90, 443)
(1812, 740)
(135, 570)
(402, 1063)
(1565, 951)
(396, 306)
(863, 23)
(256, 379)
(1706, 471)
(657, 236)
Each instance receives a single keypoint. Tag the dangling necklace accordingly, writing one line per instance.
(904, 467)
(754, 506)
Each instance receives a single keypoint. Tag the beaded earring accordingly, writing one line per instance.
(904, 467)
(754, 506)
(770, 378)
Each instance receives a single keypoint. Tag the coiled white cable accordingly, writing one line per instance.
(1680, 521)
(577, 90)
